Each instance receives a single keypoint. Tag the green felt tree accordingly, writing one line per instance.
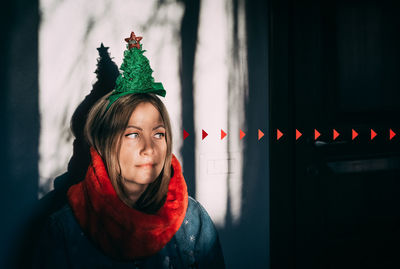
(136, 74)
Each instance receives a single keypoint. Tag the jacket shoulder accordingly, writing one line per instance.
(196, 217)
(63, 221)
(64, 212)
(52, 249)
(195, 209)
(198, 238)
(62, 215)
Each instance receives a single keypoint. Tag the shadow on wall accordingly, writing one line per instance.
(189, 28)
(247, 243)
(19, 115)
(107, 72)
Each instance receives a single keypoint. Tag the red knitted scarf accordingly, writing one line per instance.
(119, 230)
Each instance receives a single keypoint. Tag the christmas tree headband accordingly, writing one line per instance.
(137, 74)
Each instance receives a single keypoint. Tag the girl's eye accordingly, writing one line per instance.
(159, 135)
(132, 135)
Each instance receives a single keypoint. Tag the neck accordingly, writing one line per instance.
(129, 197)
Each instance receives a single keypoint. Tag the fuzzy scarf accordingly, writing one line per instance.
(120, 231)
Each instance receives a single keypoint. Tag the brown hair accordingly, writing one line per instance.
(104, 129)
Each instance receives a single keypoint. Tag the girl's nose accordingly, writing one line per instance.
(147, 146)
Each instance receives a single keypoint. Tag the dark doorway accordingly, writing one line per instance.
(335, 65)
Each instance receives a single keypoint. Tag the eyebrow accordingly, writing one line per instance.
(158, 126)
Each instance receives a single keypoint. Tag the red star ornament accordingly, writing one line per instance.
(133, 41)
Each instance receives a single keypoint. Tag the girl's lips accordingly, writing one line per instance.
(146, 165)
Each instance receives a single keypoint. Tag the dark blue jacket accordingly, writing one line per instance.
(195, 245)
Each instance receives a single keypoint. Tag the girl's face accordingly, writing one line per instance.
(143, 150)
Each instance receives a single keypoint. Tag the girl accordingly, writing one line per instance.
(132, 209)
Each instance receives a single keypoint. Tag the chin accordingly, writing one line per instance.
(129, 182)
(143, 179)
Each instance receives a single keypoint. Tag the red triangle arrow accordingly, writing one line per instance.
(185, 134)
(316, 134)
(335, 134)
(391, 134)
(260, 134)
(203, 134)
(242, 134)
(354, 134)
(223, 134)
(298, 134)
(373, 134)
(279, 134)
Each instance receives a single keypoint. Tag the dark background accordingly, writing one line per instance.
(312, 64)
(335, 64)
